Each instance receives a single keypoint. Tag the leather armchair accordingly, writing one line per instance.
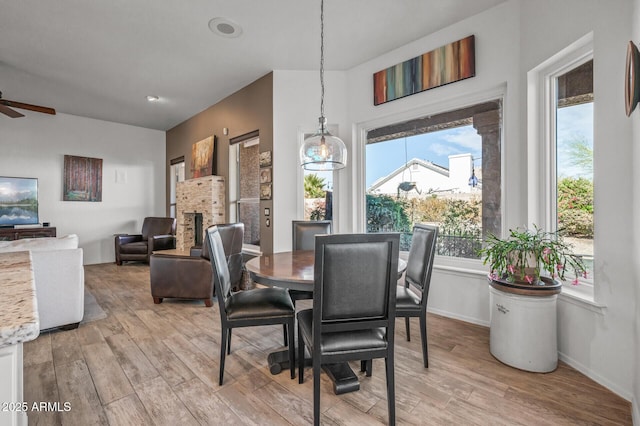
(182, 277)
(189, 277)
(158, 233)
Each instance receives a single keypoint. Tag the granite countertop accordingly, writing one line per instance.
(18, 307)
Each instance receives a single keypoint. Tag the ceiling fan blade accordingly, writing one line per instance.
(10, 112)
(30, 107)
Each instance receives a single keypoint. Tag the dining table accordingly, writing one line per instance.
(295, 270)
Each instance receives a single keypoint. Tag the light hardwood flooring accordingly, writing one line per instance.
(147, 364)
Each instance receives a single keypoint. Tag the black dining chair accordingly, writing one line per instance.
(355, 279)
(411, 298)
(260, 306)
(303, 234)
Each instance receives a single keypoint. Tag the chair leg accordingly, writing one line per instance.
(366, 365)
(423, 334)
(300, 357)
(284, 332)
(229, 343)
(292, 350)
(223, 346)
(391, 389)
(316, 389)
(406, 322)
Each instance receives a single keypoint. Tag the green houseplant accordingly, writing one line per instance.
(527, 268)
(526, 255)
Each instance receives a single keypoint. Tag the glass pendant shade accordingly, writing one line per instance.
(323, 151)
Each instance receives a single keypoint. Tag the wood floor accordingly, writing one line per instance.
(147, 364)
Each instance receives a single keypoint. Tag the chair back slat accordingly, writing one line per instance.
(219, 267)
(304, 233)
(421, 254)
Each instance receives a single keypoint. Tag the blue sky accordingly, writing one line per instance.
(385, 157)
(574, 122)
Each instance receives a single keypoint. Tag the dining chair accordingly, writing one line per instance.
(260, 306)
(355, 279)
(303, 234)
(411, 298)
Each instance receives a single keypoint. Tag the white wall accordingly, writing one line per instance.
(511, 39)
(296, 108)
(35, 145)
(636, 228)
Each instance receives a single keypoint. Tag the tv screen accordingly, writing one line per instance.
(18, 201)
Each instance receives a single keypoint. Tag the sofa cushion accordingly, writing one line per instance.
(40, 244)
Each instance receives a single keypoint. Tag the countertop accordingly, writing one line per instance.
(18, 307)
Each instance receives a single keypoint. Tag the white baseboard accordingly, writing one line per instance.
(635, 412)
(458, 317)
(596, 377)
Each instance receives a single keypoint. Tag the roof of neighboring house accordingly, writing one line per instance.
(424, 163)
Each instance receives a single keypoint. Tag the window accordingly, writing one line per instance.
(561, 141)
(574, 160)
(318, 195)
(442, 169)
(318, 189)
(244, 190)
(176, 172)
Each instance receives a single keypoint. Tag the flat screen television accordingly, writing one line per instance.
(18, 201)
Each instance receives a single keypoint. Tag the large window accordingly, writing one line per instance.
(560, 152)
(444, 170)
(573, 198)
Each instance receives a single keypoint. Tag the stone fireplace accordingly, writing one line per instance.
(201, 196)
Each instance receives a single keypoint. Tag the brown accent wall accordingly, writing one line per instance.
(248, 109)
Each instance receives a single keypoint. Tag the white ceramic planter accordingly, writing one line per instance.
(524, 330)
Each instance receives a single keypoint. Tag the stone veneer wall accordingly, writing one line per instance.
(203, 195)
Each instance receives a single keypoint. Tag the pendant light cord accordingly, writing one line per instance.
(322, 58)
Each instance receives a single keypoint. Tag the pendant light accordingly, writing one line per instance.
(322, 150)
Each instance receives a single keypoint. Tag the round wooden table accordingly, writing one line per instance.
(294, 270)
(290, 269)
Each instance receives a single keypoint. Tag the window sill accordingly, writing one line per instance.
(583, 296)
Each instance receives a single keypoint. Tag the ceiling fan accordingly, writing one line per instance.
(6, 107)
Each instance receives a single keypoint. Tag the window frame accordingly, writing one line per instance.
(541, 145)
(459, 265)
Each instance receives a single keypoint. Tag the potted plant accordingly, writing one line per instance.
(534, 257)
(526, 270)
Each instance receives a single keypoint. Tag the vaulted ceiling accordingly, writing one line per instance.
(100, 59)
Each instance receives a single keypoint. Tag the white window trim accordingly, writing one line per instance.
(541, 152)
(470, 266)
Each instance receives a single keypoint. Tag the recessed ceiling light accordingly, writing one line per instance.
(225, 27)
(153, 98)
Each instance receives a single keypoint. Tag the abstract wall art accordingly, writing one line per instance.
(447, 64)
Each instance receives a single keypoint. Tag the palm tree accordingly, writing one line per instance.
(314, 186)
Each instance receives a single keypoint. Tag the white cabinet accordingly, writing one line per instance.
(11, 391)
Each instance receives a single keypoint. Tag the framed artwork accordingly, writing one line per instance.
(82, 179)
(631, 86)
(203, 157)
(265, 159)
(265, 191)
(265, 175)
(447, 64)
